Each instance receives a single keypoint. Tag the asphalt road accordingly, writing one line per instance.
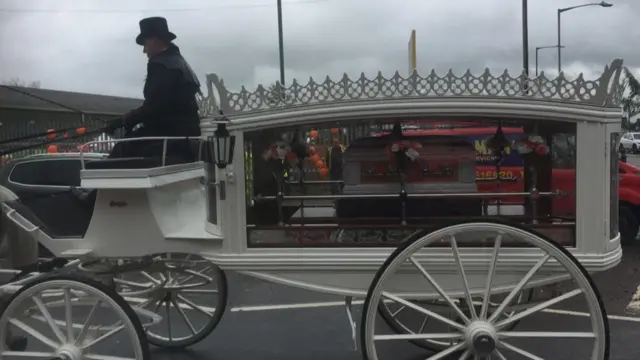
(254, 327)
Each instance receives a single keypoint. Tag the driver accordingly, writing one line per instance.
(170, 108)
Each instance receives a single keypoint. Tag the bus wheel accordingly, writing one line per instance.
(628, 225)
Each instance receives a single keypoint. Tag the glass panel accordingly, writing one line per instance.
(615, 179)
(348, 189)
(212, 208)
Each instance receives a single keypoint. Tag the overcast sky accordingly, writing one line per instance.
(89, 46)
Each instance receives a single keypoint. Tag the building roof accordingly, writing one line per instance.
(88, 103)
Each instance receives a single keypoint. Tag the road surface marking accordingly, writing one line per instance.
(634, 306)
(360, 302)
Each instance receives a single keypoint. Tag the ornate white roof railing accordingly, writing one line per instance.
(605, 91)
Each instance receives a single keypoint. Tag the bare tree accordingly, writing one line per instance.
(631, 102)
(22, 83)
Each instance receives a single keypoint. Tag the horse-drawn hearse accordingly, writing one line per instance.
(343, 187)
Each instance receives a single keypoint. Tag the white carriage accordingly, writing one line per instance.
(403, 217)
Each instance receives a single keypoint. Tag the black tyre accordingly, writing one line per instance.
(628, 225)
(634, 149)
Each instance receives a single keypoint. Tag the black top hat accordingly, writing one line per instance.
(154, 27)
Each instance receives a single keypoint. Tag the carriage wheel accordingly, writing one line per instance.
(189, 293)
(445, 270)
(71, 318)
(404, 320)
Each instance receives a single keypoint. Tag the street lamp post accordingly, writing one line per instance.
(281, 42)
(538, 48)
(525, 37)
(560, 11)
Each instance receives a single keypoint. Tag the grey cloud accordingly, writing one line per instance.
(95, 52)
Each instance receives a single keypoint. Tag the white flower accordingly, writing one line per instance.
(412, 154)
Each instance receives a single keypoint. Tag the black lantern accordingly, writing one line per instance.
(221, 144)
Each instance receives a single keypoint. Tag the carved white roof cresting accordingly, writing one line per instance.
(605, 91)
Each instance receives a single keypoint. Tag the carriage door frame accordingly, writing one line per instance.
(212, 194)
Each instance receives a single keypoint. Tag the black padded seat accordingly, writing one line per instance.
(132, 163)
(61, 215)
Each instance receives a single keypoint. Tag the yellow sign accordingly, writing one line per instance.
(481, 148)
(413, 58)
(486, 175)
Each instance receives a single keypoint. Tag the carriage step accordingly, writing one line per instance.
(76, 253)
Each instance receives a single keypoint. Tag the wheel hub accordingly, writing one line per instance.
(68, 352)
(481, 338)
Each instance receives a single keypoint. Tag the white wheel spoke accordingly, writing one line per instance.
(440, 291)
(189, 277)
(167, 305)
(524, 353)
(199, 291)
(194, 306)
(47, 315)
(35, 333)
(184, 317)
(151, 278)
(424, 323)
(395, 313)
(507, 301)
(423, 310)
(87, 322)
(465, 355)
(104, 337)
(465, 282)
(537, 308)
(434, 336)
(133, 283)
(492, 271)
(68, 312)
(447, 352)
(547, 334)
(499, 355)
(105, 357)
(29, 354)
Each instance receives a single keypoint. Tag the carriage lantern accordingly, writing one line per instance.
(221, 144)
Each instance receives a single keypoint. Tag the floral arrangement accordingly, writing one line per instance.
(279, 150)
(409, 148)
(533, 144)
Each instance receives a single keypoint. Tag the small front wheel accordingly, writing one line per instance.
(188, 292)
(70, 317)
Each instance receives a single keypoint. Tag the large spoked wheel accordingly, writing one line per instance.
(405, 320)
(188, 292)
(487, 260)
(70, 318)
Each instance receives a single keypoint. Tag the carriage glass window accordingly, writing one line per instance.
(614, 183)
(333, 185)
(63, 172)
